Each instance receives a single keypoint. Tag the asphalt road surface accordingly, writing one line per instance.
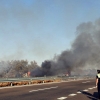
(71, 90)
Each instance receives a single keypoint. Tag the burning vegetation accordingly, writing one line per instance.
(83, 54)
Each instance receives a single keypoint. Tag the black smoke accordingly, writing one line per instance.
(84, 52)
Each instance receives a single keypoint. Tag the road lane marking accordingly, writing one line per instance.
(86, 82)
(62, 98)
(27, 85)
(90, 88)
(72, 94)
(78, 92)
(44, 89)
(85, 90)
(94, 87)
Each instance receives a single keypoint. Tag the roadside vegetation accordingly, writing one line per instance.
(17, 68)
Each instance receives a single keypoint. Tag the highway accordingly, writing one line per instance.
(66, 90)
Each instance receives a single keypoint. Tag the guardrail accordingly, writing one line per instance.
(37, 80)
(26, 81)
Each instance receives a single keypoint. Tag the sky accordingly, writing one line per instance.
(40, 29)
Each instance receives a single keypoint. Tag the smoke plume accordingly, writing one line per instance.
(84, 52)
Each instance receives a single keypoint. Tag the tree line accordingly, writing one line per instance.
(16, 68)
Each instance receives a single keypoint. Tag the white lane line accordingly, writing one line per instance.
(78, 92)
(85, 90)
(44, 89)
(94, 87)
(86, 82)
(72, 94)
(83, 82)
(90, 88)
(62, 98)
(26, 85)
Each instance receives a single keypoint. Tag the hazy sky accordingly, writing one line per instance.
(39, 29)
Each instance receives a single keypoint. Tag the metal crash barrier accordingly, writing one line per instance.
(4, 82)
